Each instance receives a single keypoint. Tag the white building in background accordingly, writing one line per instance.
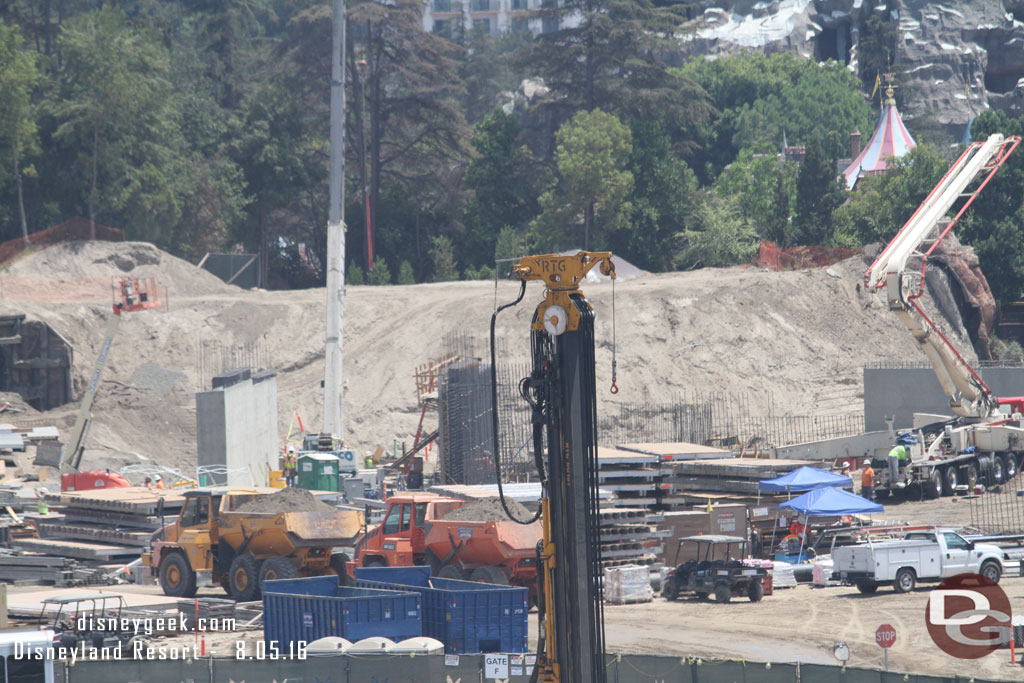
(488, 16)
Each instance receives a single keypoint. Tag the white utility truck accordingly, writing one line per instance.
(918, 556)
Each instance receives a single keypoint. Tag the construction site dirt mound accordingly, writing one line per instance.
(285, 500)
(794, 343)
(487, 510)
(91, 267)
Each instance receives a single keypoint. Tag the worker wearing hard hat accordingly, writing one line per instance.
(41, 505)
(159, 481)
(290, 467)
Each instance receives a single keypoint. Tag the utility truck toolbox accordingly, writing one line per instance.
(308, 609)
(466, 616)
(917, 556)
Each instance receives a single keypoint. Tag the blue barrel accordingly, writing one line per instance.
(308, 609)
(467, 617)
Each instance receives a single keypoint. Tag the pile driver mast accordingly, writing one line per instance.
(561, 390)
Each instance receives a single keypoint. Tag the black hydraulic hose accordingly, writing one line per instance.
(494, 412)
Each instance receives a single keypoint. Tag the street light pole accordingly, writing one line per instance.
(333, 381)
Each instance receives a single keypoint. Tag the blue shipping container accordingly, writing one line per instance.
(467, 617)
(308, 609)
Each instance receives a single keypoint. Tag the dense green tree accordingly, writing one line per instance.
(818, 195)
(664, 188)
(406, 276)
(763, 99)
(442, 258)
(381, 273)
(994, 225)
(592, 154)
(505, 182)
(719, 236)
(880, 204)
(755, 181)
(17, 125)
(113, 105)
(604, 53)
(405, 123)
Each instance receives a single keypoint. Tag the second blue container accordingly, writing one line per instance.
(467, 617)
(307, 609)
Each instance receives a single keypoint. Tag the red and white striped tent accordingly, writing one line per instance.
(891, 139)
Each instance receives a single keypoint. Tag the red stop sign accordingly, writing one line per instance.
(885, 636)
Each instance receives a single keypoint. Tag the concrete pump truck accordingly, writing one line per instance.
(985, 439)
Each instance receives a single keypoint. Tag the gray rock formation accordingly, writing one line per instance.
(960, 56)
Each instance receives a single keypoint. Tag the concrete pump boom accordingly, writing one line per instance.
(969, 396)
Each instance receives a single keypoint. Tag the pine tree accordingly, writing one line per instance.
(818, 194)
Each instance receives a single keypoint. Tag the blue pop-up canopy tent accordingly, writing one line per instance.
(829, 502)
(805, 479)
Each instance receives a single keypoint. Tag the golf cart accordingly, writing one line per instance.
(89, 618)
(717, 570)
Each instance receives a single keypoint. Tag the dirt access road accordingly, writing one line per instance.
(798, 625)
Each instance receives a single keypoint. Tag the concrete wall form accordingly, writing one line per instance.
(236, 428)
(902, 391)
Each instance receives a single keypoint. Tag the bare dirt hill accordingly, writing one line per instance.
(802, 337)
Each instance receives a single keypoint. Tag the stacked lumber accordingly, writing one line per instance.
(735, 476)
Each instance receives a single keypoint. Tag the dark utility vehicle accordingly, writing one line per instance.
(717, 570)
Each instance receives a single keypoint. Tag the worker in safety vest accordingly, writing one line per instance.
(290, 469)
(867, 482)
(159, 481)
(896, 455)
(41, 505)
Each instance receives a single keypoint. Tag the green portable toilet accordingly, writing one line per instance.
(318, 471)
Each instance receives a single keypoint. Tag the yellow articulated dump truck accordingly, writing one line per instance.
(239, 538)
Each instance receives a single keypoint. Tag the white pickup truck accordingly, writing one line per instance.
(918, 556)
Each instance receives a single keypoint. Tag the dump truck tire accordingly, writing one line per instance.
(338, 562)
(243, 576)
(277, 568)
(450, 571)
(433, 561)
(176, 576)
(491, 575)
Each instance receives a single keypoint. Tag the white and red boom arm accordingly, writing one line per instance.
(969, 395)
